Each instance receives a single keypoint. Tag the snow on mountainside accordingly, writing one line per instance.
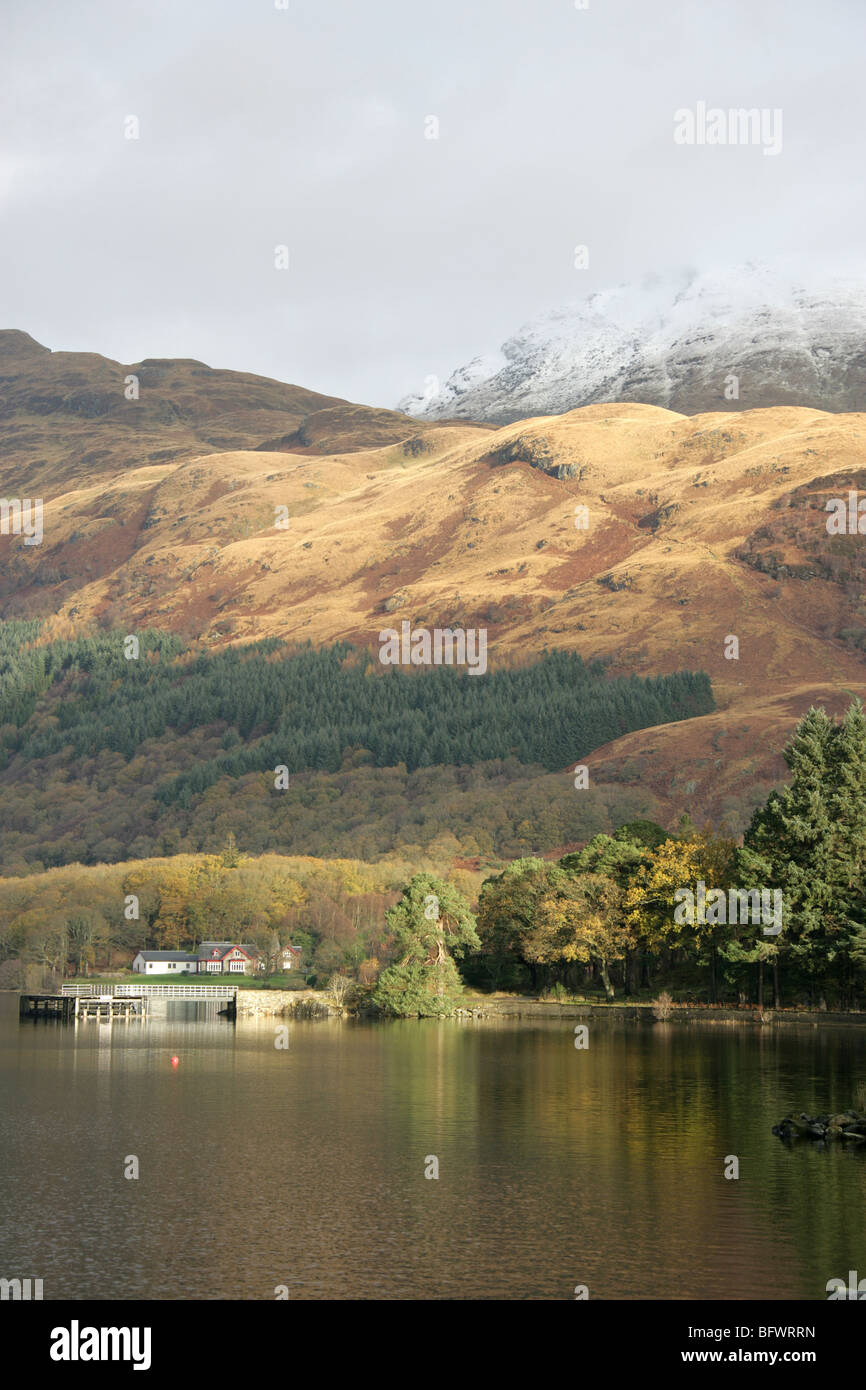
(675, 342)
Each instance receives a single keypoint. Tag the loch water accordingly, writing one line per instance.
(303, 1167)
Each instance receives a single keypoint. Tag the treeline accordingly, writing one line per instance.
(780, 916)
(77, 921)
(112, 756)
(100, 810)
(320, 704)
(305, 708)
(92, 672)
(779, 919)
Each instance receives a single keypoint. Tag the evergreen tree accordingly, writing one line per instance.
(847, 812)
(790, 845)
(431, 920)
(614, 856)
(231, 855)
(642, 832)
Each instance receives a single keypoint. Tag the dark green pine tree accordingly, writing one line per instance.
(847, 800)
(790, 845)
(432, 923)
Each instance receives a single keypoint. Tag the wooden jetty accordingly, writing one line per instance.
(124, 1001)
(47, 1006)
(69, 1006)
(109, 1006)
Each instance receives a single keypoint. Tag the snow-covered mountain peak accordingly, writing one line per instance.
(789, 338)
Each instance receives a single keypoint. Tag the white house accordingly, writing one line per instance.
(165, 963)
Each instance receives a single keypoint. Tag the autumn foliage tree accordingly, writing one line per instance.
(580, 919)
(507, 909)
(660, 918)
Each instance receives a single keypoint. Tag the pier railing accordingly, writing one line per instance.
(200, 992)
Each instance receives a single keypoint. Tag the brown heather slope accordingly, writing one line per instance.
(65, 415)
(699, 527)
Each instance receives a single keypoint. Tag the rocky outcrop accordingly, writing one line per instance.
(846, 1125)
(537, 451)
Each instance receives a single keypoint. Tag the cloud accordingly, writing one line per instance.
(306, 127)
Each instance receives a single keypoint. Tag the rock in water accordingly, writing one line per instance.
(846, 1125)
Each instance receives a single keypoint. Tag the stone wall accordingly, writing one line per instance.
(285, 1003)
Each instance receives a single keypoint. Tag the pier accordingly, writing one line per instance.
(201, 993)
(47, 1006)
(109, 1006)
(121, 1001)
(68, 1006)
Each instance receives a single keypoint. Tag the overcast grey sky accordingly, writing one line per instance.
(306, 127)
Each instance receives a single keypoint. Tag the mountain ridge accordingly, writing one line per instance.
(696, 528)
(675, 341)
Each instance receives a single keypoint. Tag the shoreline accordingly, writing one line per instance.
(256, 1003)
(314, 1003)
(680, 1013)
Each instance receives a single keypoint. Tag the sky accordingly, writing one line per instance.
(307, 127)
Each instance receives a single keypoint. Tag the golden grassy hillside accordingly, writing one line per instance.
(697, 528)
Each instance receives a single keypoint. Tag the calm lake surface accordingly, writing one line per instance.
(305, 1167)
